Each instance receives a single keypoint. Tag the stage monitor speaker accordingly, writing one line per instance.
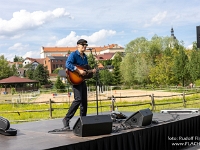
(5, 128)
(181, 111)
(198, 36)
(4, 123)
(93, 125)
(139, 119)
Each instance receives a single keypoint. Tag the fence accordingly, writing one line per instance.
(152, 103)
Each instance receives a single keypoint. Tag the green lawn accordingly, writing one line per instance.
(61, 108)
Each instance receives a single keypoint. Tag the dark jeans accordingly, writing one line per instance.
(80, 99)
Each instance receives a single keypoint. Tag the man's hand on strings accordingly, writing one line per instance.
(94, 70)
(81, 72)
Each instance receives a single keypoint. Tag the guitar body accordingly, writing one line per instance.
(75, 79)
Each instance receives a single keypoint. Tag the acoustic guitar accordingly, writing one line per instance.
(75, 78)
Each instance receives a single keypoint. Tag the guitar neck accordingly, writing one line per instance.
(89, 71)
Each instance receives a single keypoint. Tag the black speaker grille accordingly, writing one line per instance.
(140, 118)
(93, 125)
(4, 123)
(198, 36)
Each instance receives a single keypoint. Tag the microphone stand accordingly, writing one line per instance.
(97, 80)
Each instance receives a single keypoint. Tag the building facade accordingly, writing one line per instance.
(64, 51)
(54, 62)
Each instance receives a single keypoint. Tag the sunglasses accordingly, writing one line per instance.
(84, 44)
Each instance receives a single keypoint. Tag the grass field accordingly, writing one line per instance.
(17, 113)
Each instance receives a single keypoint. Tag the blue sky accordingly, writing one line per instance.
(27, 25)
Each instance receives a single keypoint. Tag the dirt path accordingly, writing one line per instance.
(140, 95)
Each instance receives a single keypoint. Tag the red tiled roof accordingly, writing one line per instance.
(105, 56)
(15, 79)
(114, 46)
(59, 49)
(40, 60)
(72, 49)
(31, 59)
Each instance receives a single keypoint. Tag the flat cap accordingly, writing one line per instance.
(81, 41)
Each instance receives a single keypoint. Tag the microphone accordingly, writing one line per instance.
(89, 49)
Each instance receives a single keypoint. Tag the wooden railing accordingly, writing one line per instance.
(152, 103)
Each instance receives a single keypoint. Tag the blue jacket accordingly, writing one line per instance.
(76, 59)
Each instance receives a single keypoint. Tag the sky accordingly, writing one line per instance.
(28, 25)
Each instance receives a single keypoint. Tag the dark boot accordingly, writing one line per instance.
(66, 123)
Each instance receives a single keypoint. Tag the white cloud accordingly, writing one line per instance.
(190, 46)
(8, 56)
(33, 24)
(4, 44)
(32, 54)
(157, 19)
(17, 36)
(96, 37)
(100, 35)
(2, 37)
(70, 40)
(18, 47)
(53, 38)
(24, 20)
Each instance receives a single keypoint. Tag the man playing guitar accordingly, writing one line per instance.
(78, 58)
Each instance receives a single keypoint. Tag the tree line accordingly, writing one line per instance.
(40, 73)
(160, 61)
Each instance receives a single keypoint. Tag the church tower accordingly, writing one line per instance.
(172, 33)
(173, 38)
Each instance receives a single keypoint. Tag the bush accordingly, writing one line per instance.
(197, 83)
(47, 86)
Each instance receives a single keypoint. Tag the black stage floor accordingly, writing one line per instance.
(35, 136)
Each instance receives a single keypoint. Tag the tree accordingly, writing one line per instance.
(29, 73)
(41, 74)
(155, 48)
(181, 67)
(194, 65)
(116, 74)
(59, 85)
(137, 46)
(116, 71)
(28, 66)
(137, 52)
(93, 64)
(127, 68)
(105, 62)
(57, 70)
(106, 77)
(162, 73)
(142, 69)
(14, 70)
(18, 59)
(5, 70)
